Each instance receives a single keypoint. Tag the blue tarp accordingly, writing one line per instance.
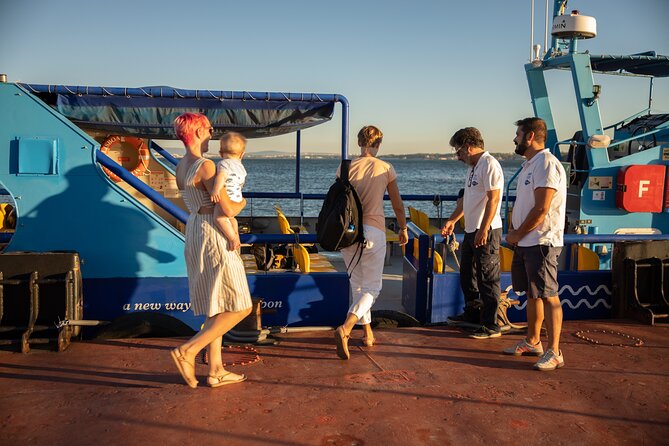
(648, 64)
(149, 112)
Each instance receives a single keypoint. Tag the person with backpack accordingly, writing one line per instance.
(371, 178)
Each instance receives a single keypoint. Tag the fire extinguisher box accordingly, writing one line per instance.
(641, 188)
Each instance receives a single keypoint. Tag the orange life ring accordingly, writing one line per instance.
(138, 144)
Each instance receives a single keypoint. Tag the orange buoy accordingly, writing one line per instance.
(137, 144)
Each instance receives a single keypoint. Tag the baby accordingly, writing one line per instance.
(230, 177)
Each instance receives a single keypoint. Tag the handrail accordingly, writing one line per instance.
(643, 135)
(164, 153)
(507, 198)
(151, 194)
(182, 216)
(570, 239)
(169, 92)
(407, 197)
(629, 118)
(422, 302)
(278, 238)
(568, 141)
(616, 143)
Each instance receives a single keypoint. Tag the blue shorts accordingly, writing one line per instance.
(534, 270)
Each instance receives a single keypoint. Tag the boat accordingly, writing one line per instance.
(420, 385)
(124, 216)
(618, 195)
(87, 175)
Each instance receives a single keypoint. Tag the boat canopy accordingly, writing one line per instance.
(647, 64)
(150, 111)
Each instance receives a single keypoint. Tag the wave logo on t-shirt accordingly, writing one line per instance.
(528, 178)
(472, 179)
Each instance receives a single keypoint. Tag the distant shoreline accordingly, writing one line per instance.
(407, 156)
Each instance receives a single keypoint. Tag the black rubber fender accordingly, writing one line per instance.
(144, 324)
(393, 319)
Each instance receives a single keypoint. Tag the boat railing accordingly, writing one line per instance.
(171, 161)
(181, 215)
(142, 187)
(635, 137)
(573, 239)
(613, 144)
(416, 273)
(508, 198)
(420, 281)
(436, 199)
(580, 238)
(628, 119)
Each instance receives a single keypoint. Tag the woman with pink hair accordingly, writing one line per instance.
(216, 279)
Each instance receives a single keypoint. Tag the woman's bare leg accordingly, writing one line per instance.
(368, 336)
(349, 323)
(214, 327)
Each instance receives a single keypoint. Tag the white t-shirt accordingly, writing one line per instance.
(236, 176)
(542, 170)
(485, 176)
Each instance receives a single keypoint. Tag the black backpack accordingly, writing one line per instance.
(340, 220)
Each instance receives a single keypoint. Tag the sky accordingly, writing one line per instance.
(418, 70)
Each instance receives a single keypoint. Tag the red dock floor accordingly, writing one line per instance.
(418, 386)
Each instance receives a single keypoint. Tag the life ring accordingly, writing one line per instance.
(138, 144)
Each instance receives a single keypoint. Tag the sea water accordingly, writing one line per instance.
(414, 176)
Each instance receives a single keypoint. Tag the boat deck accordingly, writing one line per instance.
(418, 386)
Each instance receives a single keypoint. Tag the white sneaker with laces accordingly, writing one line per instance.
(549, 361)
(524, 348)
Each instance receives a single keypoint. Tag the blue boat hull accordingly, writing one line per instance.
(584, 295)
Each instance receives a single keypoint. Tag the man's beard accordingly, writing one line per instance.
(521, 148)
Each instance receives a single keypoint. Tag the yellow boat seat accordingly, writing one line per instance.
(587, 259)
(302, 258)
(505, 258)
(438, 263)
(7, 218)
(391, 238)
(284, 225)
(421, 219)
(413, 215)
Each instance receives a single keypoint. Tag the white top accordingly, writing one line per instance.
(235, 177)
(485, 176)
(542, 170)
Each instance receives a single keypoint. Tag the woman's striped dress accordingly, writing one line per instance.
(216, 277)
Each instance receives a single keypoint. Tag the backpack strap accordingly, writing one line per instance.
(360, 247)
(343, 170)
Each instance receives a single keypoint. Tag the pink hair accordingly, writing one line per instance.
(187, 124)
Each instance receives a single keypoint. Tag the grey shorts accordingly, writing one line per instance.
(534, 270)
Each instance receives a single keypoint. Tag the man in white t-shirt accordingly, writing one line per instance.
(479, 264)
(537, 228)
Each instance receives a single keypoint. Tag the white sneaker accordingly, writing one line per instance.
(524, 348)
(549, 361)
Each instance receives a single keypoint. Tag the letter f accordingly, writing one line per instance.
(643, 187)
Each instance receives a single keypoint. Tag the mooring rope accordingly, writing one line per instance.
(581, 334)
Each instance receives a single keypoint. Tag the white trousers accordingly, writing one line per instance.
(367, 275)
